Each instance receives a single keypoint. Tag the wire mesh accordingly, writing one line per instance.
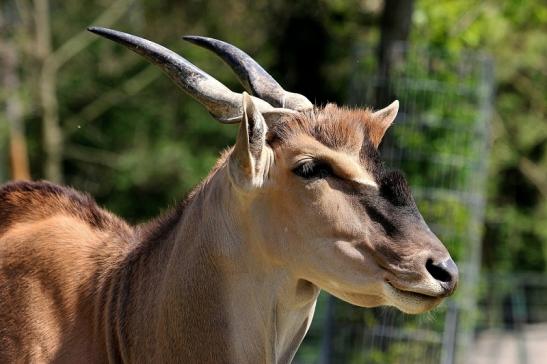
(440, 140)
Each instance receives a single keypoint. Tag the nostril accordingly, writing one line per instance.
(440, 271)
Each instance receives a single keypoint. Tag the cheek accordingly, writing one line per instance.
(336, 210)
(316, 211)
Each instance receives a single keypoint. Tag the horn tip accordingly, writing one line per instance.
(94, 29)
(101, 31)
(196, 39)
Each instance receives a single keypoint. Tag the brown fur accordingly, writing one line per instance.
(29, 201)
(55, 243)
(228, 275)
(337, 128)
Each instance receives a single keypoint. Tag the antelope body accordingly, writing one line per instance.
(230, 275)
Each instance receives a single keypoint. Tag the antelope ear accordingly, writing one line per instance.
(381, 121)
(249, 158)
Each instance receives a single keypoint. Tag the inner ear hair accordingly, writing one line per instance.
(256, 126)
(247, 159)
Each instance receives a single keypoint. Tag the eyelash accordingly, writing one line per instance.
(313, 169)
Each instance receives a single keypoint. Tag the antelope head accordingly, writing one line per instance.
(314, 196)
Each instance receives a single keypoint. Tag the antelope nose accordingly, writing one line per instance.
(445, 272)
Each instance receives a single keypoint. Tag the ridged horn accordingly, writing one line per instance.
(222, 103)
(251, 75)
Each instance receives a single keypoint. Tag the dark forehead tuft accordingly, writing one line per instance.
(394, 187)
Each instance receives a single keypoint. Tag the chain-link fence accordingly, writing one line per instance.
(440, 140)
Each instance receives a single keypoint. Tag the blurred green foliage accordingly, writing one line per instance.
(137, 144)
(515, 33)
(130, 136)
(134, 141)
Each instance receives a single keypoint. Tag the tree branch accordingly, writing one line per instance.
(109, 99)
(92, 155)
(83, 39)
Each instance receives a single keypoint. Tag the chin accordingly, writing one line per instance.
(360, 299)
(414, 308)
(407, 302)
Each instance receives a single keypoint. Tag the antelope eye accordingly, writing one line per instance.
(313, 169)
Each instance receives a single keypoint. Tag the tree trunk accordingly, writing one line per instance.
(51, 130)
(14, 112)
(52, 134)
(394, 29)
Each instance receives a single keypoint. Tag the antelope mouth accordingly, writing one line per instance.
(413, 294)
(411, 302)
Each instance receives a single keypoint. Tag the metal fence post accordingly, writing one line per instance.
(449, 334)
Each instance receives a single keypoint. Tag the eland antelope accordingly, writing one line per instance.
(301, 203)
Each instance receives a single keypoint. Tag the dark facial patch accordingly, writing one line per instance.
(391, 208)
(394, 188)
(376, 214)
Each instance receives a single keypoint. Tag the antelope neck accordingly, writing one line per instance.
(216, 284)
